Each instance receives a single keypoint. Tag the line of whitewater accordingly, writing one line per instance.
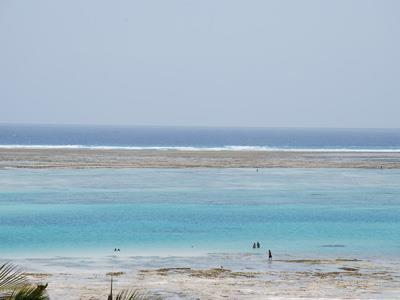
(188, 148)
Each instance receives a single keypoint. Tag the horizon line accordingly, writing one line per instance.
(192, 126)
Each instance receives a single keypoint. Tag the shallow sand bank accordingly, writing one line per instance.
(118, 158)
(243, 276)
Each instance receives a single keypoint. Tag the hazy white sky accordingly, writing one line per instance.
(209, 62)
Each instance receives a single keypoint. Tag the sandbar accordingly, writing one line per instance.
(121, 158)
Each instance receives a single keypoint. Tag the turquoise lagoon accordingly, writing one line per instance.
(294, 212)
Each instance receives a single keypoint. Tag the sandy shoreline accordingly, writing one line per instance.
(117, 158)
(241, 277)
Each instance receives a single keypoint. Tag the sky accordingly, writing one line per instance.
(201, 63)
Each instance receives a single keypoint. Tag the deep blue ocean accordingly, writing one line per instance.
(199, 137)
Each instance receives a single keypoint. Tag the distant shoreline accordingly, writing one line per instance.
(156, 158)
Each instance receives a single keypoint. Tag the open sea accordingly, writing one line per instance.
(295, 212)
(70, 136)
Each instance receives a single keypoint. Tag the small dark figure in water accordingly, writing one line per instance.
(119, 250)
(258, 245)
(254, 245)
(115, 249)
(269, 255)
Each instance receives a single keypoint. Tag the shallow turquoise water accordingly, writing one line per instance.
(165, 211)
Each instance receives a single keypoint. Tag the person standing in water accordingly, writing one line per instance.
(269, 255)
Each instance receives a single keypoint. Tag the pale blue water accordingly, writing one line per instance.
(296, 212)
(199, 137)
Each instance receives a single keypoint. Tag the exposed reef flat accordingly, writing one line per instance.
(122, 158)
(241, 277)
